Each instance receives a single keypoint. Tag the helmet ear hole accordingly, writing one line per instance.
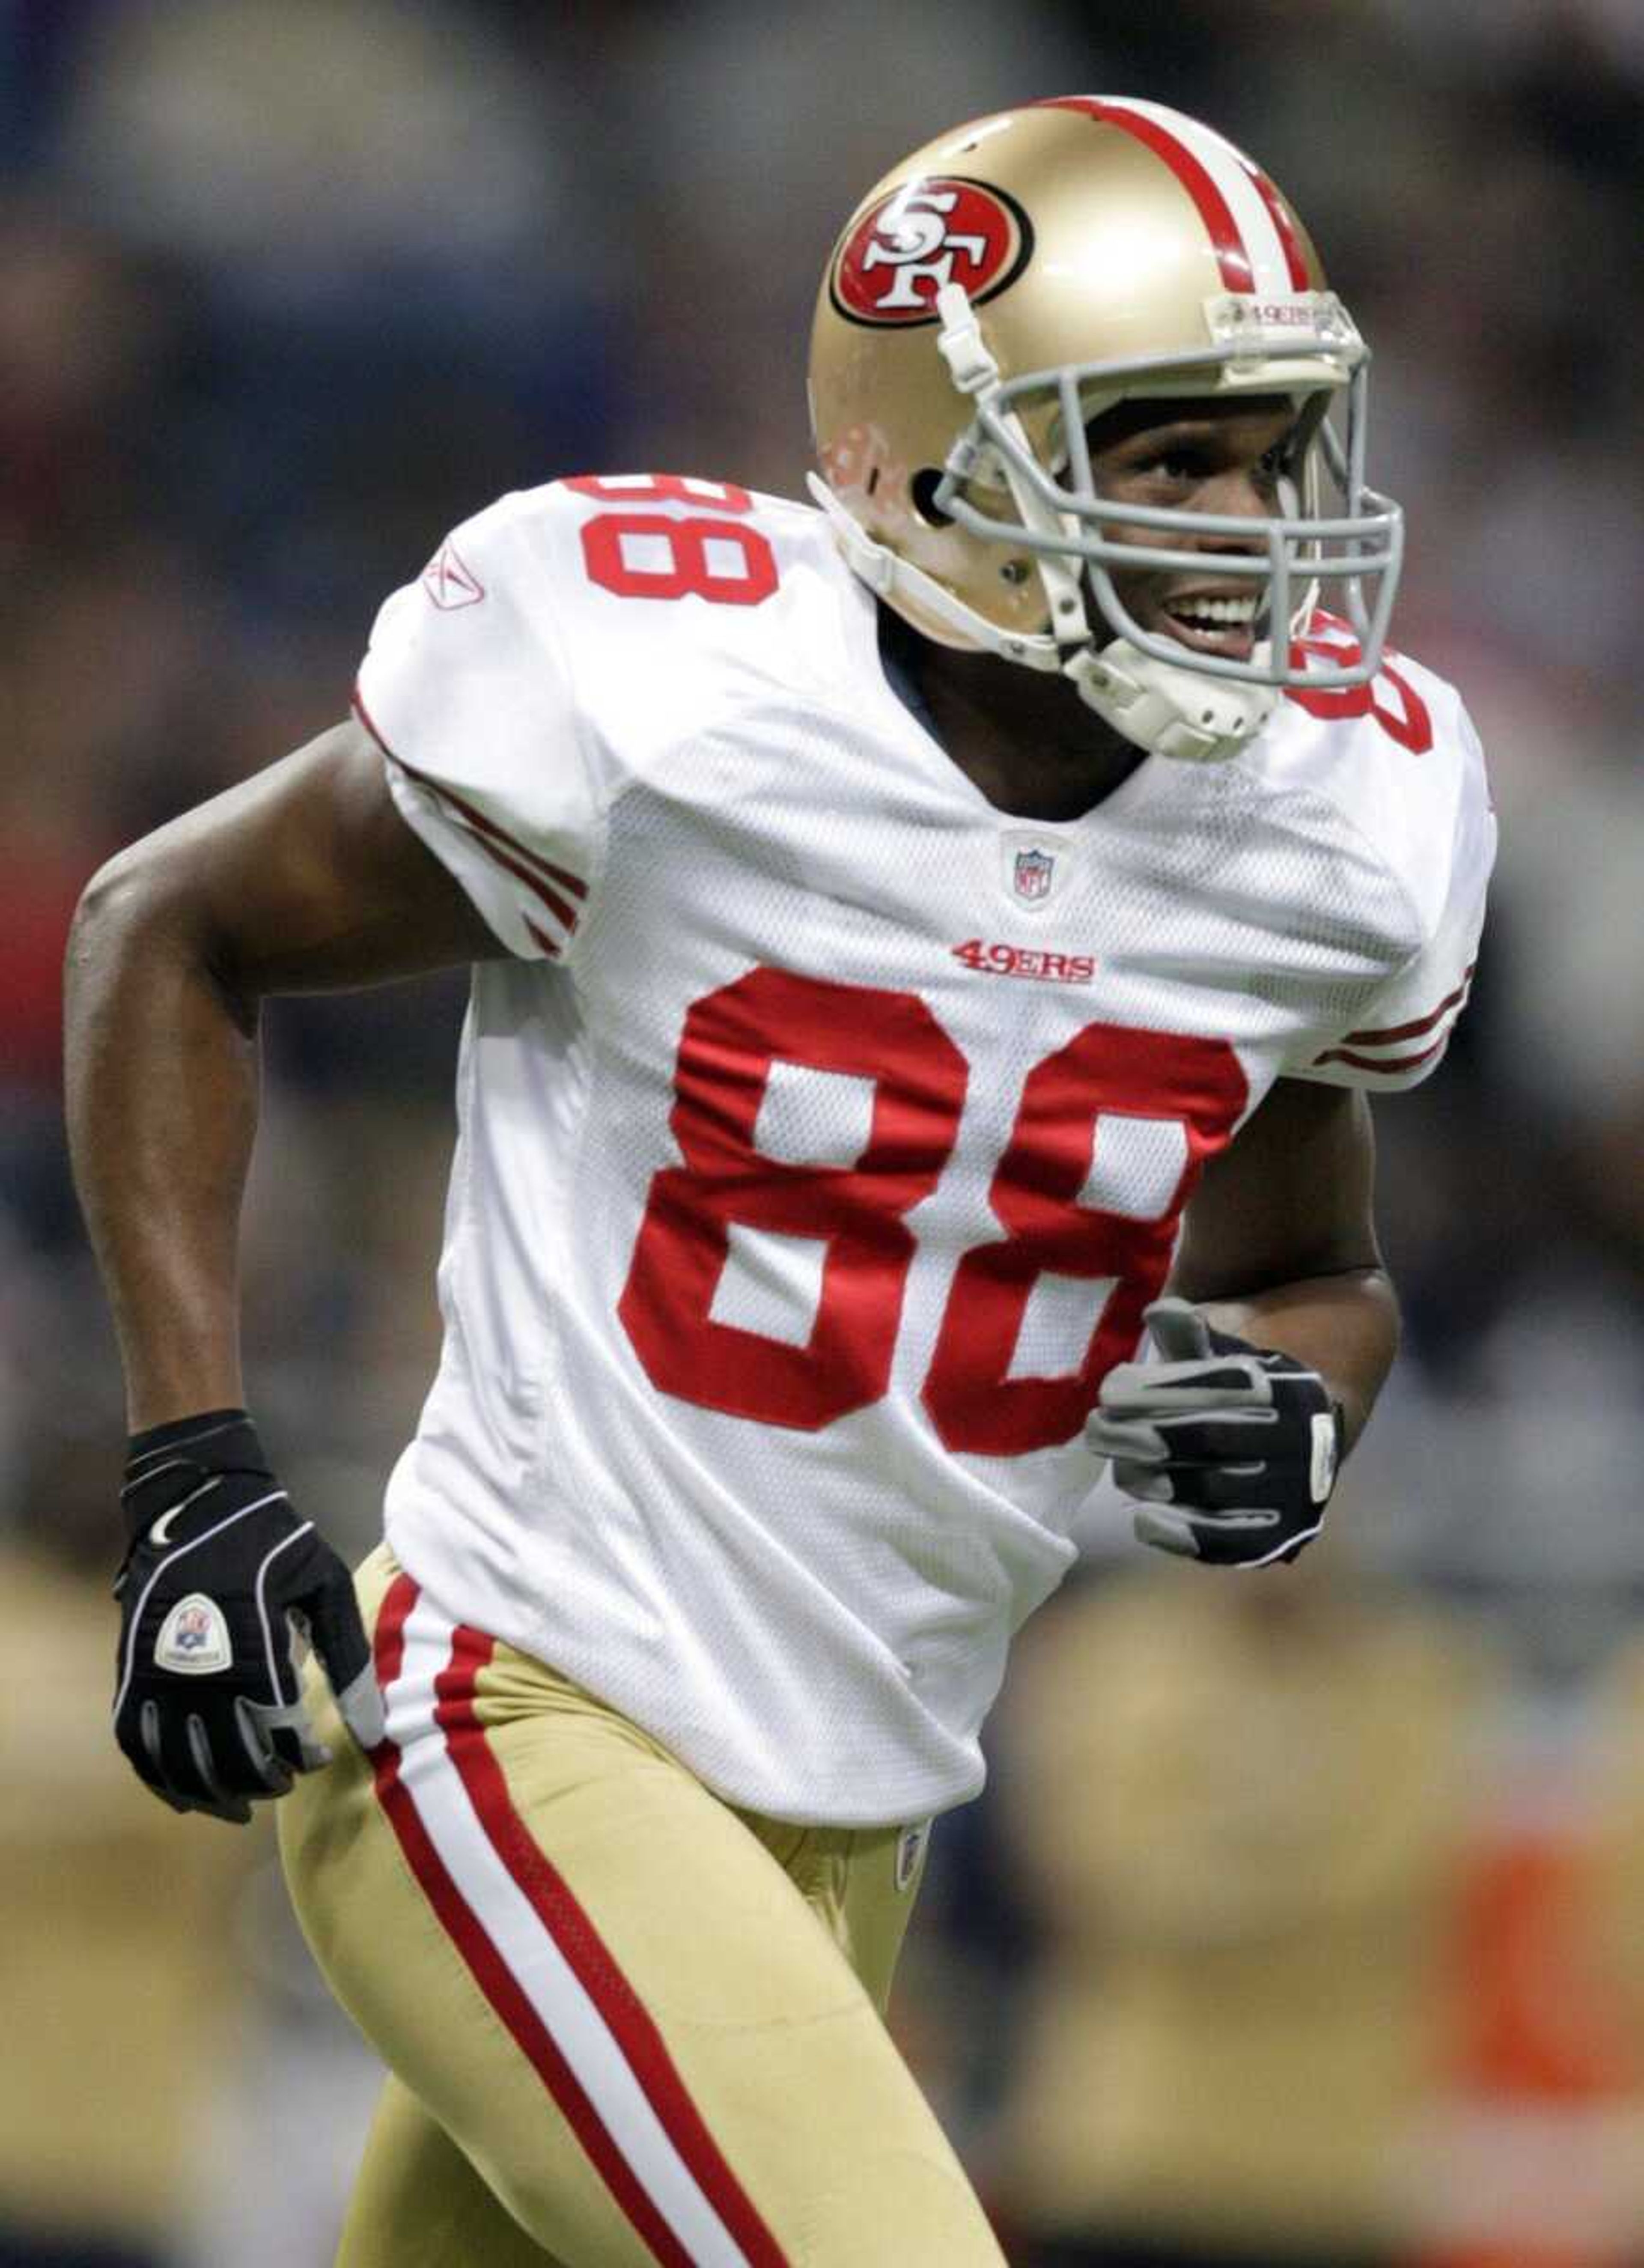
(921, 488)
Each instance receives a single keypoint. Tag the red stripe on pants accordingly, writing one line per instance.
(486, 1964)
(572, 1930)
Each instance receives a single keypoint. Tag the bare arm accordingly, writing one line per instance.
(303, 878)
(1279, 1245)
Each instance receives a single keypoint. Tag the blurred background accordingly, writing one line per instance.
(1300, 1924)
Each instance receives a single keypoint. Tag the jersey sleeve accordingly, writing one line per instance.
(1398, 1038)
(467, 689)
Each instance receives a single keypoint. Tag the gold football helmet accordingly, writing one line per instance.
(1006, 284)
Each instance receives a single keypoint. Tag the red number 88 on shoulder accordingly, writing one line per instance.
(647, 554)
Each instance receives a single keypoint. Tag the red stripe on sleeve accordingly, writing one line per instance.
(480, 828)
(1385, 1037)
(476, 819)
(508, 850)
(573, 1932)
(1213, 210)
(487, 1966)
(1379, 1062)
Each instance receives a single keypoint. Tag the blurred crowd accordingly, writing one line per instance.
(286, 290)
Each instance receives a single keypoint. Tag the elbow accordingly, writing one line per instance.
(139, 910)
(117, 891)
(128, 901)
(116, 904)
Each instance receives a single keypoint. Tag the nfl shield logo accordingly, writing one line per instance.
(1030, 876)
(194, 1637)
(193, 1631)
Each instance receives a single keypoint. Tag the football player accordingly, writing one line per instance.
(924, 943)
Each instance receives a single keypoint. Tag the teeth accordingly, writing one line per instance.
(1241, 612)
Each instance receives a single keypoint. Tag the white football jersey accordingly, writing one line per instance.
(829, 1129)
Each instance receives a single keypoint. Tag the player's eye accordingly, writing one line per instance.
(1180, 461)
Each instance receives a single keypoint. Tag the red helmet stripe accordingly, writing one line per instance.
(1232, 256)
(1295, 258)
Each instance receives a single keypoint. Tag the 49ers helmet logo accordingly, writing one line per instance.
(938, 230)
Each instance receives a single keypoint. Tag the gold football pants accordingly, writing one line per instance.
(625, 2025)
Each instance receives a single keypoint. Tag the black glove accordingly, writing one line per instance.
(219, 1579)
(1241, 1445)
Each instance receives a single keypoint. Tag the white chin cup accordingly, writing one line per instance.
(1171, 711)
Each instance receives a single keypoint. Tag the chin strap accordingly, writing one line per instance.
(921, 598)
(1157, 705)
(976, 374)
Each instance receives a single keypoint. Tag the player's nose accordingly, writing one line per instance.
(1238, 493)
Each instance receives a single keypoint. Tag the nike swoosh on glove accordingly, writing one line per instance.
(220, 1581)
(1232, 1449)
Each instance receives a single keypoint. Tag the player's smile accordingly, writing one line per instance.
(1216, 618)
(1207, 455)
